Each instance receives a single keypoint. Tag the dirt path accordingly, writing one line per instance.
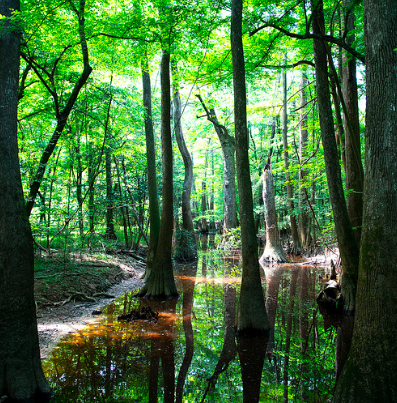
(55, 318)
(55, 322)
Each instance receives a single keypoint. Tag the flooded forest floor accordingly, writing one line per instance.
(70, 292)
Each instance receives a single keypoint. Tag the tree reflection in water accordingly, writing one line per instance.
(190, 355)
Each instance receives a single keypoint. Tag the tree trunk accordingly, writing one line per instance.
(273, 250)
(110, 234)
(251, 315)
(204, 203)
(294, 228)
(79, 189)
(124, 211)
(154, 209)
(160, 283)
(187, 240)
(369, 373)
(229, 172)
(354, 166)
(91, 189)
(21, 374)
(302, 219)
(347, 244)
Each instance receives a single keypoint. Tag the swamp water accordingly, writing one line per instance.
(192, 354)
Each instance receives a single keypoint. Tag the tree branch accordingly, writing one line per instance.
(327, 38)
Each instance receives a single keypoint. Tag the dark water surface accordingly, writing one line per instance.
(192, 353)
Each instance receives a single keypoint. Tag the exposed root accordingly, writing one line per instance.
(77, 296)
(273, 255)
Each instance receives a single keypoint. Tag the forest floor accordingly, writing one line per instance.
(69, 291)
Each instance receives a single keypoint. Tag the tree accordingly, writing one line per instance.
(273, 249)
(251, 315)
(354, 167)
(294, 227)
(347, 244)
(161, 283)
(368, 375)
(62, 109)
(304, 234)
(187, 241)
(229, 171)
(21, 375)
(154, 209)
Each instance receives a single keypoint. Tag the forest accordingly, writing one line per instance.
(135, 125)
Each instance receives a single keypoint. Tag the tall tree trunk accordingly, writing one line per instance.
(154, 209)
(124, 211)
(160, 283)
(229, 171)
(110, 234)
(294, 228)
(79, 189)
(187, 241)
(204, 221)
(91, 189)
(348, 248)
(369, 373)
(354, 167)
(346, 241)
(251, 315)
(303, 140)
(273, 250)
(21, 374)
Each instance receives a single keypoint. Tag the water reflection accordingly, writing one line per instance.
(192, 353)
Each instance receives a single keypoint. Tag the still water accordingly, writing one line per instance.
(192, 353)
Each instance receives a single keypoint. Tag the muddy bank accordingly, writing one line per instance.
(66, 297)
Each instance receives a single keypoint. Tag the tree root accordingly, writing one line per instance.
(273, 255)
(77, 296)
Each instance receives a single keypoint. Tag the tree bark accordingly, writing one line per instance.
(368, 375)
(273, 250)
(251, 315)
(110, 234)
(187, 240)
(154, 209)
(346, 241)
(229, 171)
(160, 283)
(291, 207)
(303, 140)
(21, 374)
(354, 166)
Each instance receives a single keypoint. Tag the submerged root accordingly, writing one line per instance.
(145, 313)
